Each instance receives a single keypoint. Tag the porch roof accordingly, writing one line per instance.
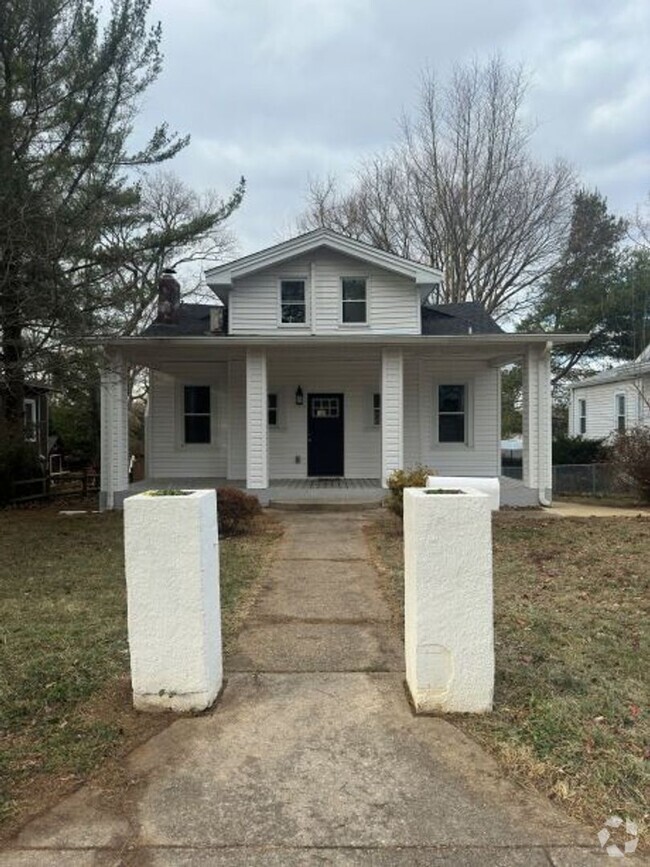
(501, 347)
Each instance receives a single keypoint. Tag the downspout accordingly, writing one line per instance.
(543, 499)
(312, 296)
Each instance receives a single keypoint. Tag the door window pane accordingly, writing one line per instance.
(272, 403)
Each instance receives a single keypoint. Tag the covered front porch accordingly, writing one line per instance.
(265, 408)
(340, 492)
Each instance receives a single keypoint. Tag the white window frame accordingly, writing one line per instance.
(582, 416)
(180, 416)
(31, 425)
(366, 322)
(618, 415)
(305, 283)
(468, 441)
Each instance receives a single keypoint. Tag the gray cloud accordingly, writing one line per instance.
(282, 90)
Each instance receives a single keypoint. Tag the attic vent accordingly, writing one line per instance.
(217, 320)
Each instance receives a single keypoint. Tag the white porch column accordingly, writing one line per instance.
(537, 424)
(257, 461)
(114, 420)
(392, 412)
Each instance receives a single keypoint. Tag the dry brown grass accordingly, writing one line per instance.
(65, 698)
(571, 617)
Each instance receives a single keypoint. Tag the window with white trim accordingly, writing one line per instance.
(452, 413)
(31, 419)
(582, 416)
(354, 300)
(197, 414)
(376, 410)
(620, 413)
(272, 410)
(293, 303)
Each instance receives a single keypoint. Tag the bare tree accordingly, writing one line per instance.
(461, 191)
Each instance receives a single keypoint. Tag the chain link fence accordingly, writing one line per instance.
(592, 479)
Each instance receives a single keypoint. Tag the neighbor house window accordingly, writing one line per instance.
(582, 416)
(620, 413)
(452, 413)
(272, 409)
(354, 302)
(197, 414)
(376, 410)
(31, 419)
(293, 307)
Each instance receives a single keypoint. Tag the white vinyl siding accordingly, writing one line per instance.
(480, 455)
(393, 301)
(355, 379)
(169, 456)
(358, 377)
(603, 407)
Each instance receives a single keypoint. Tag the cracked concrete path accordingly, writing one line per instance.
(312, 755)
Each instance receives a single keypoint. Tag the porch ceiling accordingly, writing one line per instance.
(157, 352)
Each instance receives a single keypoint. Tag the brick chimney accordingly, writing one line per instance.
(169, 297)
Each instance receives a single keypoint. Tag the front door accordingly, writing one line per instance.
(325, 435)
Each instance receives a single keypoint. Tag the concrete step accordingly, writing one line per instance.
(329, 505)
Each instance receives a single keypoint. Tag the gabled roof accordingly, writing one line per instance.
(632, 370)
(223, 275)
(469, 317)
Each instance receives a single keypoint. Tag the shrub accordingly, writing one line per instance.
(631, 457)
(414, 477)
(235, 511)
(577, 450)
(18, 461)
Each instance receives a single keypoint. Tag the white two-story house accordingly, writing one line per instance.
(611, 401)
(324, 358)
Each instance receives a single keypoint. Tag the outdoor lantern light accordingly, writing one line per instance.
(299, 397)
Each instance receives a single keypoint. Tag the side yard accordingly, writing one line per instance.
(65, 701)
(572, 648)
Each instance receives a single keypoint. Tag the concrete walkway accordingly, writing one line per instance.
(312, 755)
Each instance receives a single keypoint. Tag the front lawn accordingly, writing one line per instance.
(65, 700)
(572, 653)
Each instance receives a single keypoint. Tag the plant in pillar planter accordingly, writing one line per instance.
(414, 477)
(167, 492)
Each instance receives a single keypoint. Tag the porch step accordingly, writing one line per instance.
(330, 505)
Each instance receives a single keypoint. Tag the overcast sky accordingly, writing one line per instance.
(282, 90)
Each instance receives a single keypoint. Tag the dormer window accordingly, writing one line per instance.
(293, 306)
(353, 300)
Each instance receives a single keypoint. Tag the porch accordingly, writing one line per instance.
(337, 492)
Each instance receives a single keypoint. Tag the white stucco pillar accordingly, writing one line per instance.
(392, 412)
(171, 548)
(537, 422)
(114, 435)
(257, 459)
(448, 620)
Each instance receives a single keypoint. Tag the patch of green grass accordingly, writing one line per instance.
(65, 701)
(572, 656)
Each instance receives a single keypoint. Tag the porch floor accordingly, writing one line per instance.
(513, 491)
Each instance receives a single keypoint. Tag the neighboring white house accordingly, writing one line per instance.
(325, 360)
(612, 401)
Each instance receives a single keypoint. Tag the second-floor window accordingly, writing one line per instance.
(293, 306)
(353, 300)
(620, 413)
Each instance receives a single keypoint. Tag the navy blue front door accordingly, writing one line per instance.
(325, 435)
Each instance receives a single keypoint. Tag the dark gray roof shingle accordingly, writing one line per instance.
(194, 320)
(469, 317)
